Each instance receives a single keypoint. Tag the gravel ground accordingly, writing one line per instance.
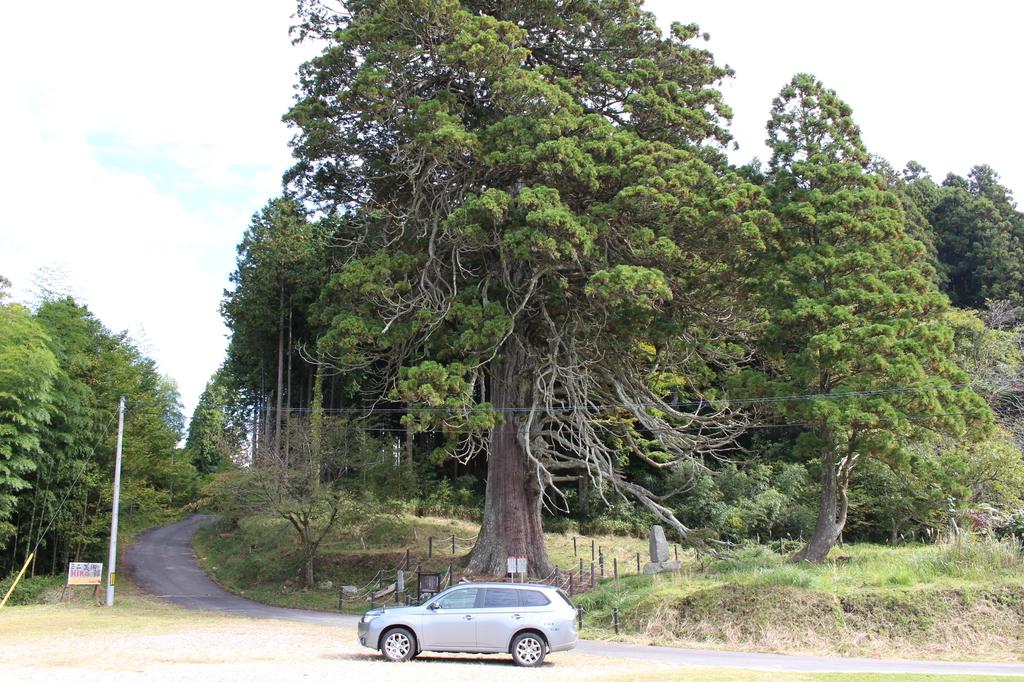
(152, 642)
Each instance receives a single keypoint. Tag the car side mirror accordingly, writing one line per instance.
(434, 606)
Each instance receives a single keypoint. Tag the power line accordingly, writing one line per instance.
(695, 404)
(666, 429)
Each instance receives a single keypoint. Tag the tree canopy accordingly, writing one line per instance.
(853, 309)
(535, 201)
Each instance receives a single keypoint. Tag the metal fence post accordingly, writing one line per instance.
(453, 543)
(615, 567)
(574, 552)
(638, 562)
(341, 597)
(430, 547)
(591, 573)
(677, 552)
(615, 619)
(581, 571)
(579, 617)
(600, 563)
(592, 553)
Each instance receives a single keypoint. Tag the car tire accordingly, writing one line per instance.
(398, 644)
(528, 649)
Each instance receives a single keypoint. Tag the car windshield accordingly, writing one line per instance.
(437, 596)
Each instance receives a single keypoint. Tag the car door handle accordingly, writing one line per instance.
(516, 616)
(468, 617)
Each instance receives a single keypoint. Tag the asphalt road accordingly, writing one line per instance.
(161, 562)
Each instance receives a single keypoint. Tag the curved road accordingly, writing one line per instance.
(162, 563)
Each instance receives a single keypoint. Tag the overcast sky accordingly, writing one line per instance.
(138, 138)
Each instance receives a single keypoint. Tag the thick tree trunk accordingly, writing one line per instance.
(512, 508)
(832, 509)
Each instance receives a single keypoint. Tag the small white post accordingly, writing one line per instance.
(112, 558)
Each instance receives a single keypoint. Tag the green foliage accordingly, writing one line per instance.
(529, 183)
(458, 500)
(217, 430)
(67, 493)
(764, 501)
(41, 589)
(279, 273)
(544, 184)
(853, 310)
(978, 232)
(28, 372)
(960, 598)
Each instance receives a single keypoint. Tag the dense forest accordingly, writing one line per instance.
(513, 258)
(61, 375)
(513, 274)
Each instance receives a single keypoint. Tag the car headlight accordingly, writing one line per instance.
(368, 617)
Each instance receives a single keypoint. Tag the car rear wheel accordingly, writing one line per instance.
(398, 644)
(528, 649)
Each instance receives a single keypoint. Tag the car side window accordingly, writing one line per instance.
(459, 599)
(533, 598)
(499, 598)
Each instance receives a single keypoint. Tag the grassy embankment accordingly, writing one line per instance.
(956, 601)
(940, 601)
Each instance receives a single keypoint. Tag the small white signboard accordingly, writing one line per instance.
(84, 574)
(517, 564)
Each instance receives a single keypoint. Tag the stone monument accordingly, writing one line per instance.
(659, 553)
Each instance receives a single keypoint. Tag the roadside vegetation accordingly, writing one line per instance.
(260, 558)
(956, 599)
(61, 375)
(952, 600)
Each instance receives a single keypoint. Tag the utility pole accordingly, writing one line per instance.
(112, 558)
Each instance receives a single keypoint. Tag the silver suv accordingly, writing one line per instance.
(524, 620)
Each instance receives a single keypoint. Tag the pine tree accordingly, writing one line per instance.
(537, 223)
(854, 316)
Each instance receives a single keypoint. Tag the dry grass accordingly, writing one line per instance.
(142, 638)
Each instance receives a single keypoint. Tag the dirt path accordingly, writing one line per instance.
(161, 561)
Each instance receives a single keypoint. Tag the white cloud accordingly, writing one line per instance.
(931, 81)
(139, 138)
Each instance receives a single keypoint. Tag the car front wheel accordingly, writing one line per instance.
(398, 645)
(528, 650)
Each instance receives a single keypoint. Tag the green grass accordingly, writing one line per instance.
(955, 601)
(260, 558)
(38, 590)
